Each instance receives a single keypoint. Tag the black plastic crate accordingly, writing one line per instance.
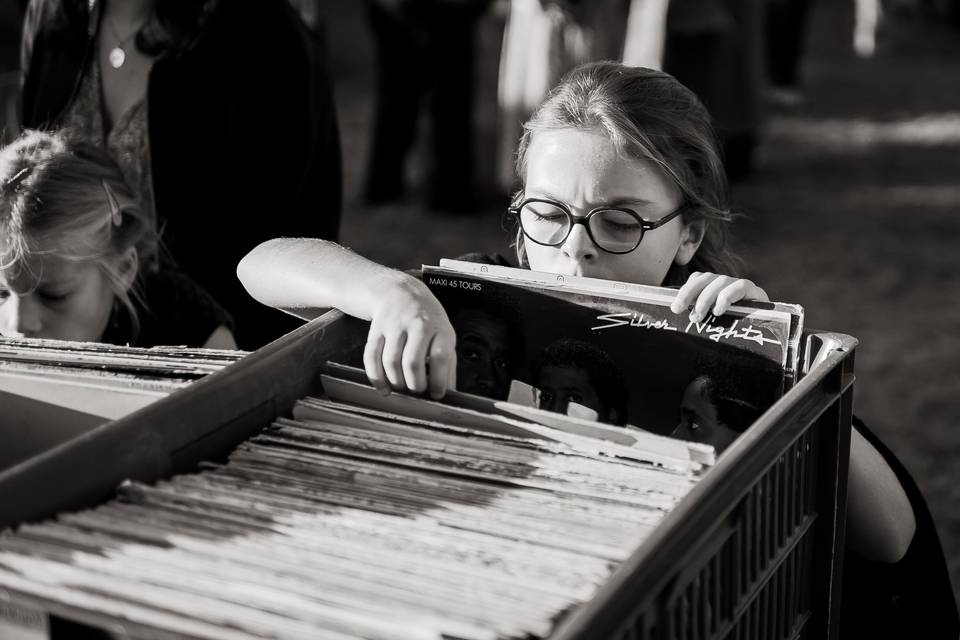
(754, 551)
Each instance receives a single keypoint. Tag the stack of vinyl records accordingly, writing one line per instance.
(53, 390)
(349, 521)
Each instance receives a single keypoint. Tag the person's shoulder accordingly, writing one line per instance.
(177, 310)
(172, 285)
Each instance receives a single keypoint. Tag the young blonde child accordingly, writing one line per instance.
(71, 242)
(621, 180)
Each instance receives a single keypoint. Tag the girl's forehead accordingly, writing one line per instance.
(586, 164)
(573, 144)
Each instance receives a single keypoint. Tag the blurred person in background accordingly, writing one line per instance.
(424, 48)
(11, 23)
(786, 28)
(714, 47)
(867, 15)
(219, 114)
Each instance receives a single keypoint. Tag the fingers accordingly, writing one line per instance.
(708, 293)
(399, 360)
(688, 293)
(393, 347)
(383, 360)
(704, 304)
(408, 330)
(443, 364)
(413, 362)
(738, 290)
(373, 362)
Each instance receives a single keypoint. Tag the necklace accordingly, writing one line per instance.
(118, 55)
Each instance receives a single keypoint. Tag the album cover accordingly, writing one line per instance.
(614, 349)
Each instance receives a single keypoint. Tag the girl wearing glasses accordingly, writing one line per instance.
(72, 240)
(622, 180)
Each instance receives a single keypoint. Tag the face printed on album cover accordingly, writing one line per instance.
(710, 417)
(486, 353)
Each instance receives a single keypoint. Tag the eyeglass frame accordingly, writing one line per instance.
(645, 225)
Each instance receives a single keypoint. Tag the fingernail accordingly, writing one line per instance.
(694, 316)
(718, 310)
(674, 307)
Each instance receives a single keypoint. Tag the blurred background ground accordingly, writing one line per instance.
(852, 211)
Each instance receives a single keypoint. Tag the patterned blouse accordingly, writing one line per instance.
(128, 142)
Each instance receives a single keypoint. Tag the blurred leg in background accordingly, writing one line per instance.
(786, 24)
(451, 26)
(715, 48)
(867, 19)
(424, 46)
(529, 67)
(401, 69)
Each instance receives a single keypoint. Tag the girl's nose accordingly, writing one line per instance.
(578, 246)
(25, 316)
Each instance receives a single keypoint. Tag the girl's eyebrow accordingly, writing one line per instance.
(58, 276)
(59, 286)
(621, 201)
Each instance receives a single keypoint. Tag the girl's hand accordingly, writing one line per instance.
(411, 344)
(706, 293)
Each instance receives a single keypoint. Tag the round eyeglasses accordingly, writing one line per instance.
(612, 229)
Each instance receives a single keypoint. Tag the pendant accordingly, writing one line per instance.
(117, 57)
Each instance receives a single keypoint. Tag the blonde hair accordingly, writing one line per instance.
(68, 198)
(647, 115)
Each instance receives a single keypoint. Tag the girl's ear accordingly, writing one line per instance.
(690, 240)
(127, 265)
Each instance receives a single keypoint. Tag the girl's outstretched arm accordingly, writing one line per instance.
(411, 344)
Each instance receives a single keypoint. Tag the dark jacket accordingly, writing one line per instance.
(243, 136)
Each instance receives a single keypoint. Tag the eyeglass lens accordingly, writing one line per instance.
(611, 229)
